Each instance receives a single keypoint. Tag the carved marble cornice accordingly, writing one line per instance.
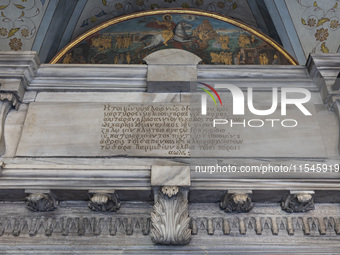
(323, 69)
(73, 224)
(21, 65)
(120, 173)
(326, 64)
(125, 225)
(72, 77)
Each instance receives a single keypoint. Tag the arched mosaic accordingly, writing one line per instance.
(214, 38)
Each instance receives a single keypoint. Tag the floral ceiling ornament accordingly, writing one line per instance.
(321, 34)
(17, 20)
(15, 44)
(321, 20)
(3, 31)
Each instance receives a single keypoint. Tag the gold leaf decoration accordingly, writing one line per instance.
(22, 14)
(315, 4)
(3, 7)
(336, 5)
(324, 49)
(303, 21)
(321, 21)
(2, 14)
(12, 32)
(19, 6)
(104, 2)
(234, 6)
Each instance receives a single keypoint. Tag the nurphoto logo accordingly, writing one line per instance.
(289, 96)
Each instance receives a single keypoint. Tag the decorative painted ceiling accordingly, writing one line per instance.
(318, 23)
(46, 26)
(19, 23)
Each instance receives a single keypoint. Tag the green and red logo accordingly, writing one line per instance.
(204, 97)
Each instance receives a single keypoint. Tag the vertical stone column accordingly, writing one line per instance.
(170, 219)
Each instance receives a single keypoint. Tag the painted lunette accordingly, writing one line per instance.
(231, 21)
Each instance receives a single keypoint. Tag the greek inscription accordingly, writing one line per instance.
(206, 138)
(161, 130)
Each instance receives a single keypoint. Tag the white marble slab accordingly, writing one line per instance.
(69, 129)
(170, 175)
(105, 129)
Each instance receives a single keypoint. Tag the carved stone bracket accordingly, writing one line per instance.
(298, 202)
(7, 101)
(104, 201)
(11, 98)
(170, 219)
(40, 201)
(238, 201)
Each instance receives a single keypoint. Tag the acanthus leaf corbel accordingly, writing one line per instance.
(170, 221)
